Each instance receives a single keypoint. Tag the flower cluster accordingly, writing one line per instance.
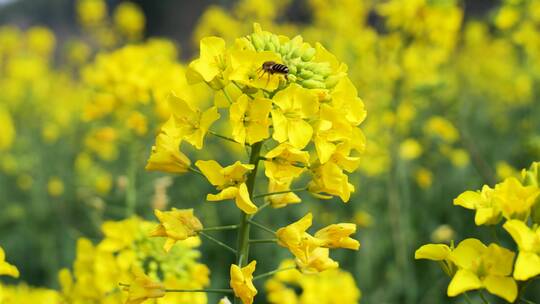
(301, 121)
(473, 265)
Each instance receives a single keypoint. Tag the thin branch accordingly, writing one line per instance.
(196, 171)
(217, 228)
(280, 192)
(267, 274)
(217, 242)
(262, 241)
(261, 226)
(222, 137)
(215, 290)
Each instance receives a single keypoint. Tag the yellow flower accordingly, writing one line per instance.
(246, 69)
(434, 252)
(528, 240)
(176, 225)
(143, 288)
(91, 12)
(438, 126)
(211, 64)
(296, 239)
(514, 199)
(337, 236)
(424, 178)
(410, 149)
(137, 122)
(129, 19)
(285, 162)
(231, 181)
(294, 104)
(250, 119)
(345, 98)
(437, 252)
(193, 123)
(329, 178)
(5, 267)
(483, 267)
(166, 155)
(283, 199)
(55, 186)
(317, 261)
(487, 211)
(7, 135)
(241, 282)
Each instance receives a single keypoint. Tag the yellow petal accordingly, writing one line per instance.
(524, 237)
(466, 252)
(243, 201)
(212, 170)
(435, 252)
(225, 194)
(527, 266)
(462, 281)
(468, 199)
(503, 287)
(299, 133)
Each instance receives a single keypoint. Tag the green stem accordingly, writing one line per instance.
(260, 241)
(227, 95)
(196, 171)
(220, 243)
(217, 228)
(243, 231)
(467, 299)
(223, 137)
(267, 274)
(483, 297)
(262, 207)
(216, 290)
(280, 192)
(263, 227)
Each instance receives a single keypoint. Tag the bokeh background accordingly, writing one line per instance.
(451, 90)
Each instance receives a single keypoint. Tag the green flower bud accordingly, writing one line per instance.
(313, 84)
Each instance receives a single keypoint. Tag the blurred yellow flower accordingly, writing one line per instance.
(337, 236)
(55, 186)
(424, 178)
(91, 12)
(176, 225)
(410, 149)
(241, 282)
(7, 136)
(143, 288)
(166, 155)
(443, 233)
(318, 260)
(129, 19)
(5, 267)
(438, 126)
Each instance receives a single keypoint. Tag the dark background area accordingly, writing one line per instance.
(174, 19)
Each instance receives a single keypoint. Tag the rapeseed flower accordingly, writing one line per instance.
(241, 282)
(143, 288)
(250, 119)
(528, 240)
(166, 155)
(176, 225)
(231, 181)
